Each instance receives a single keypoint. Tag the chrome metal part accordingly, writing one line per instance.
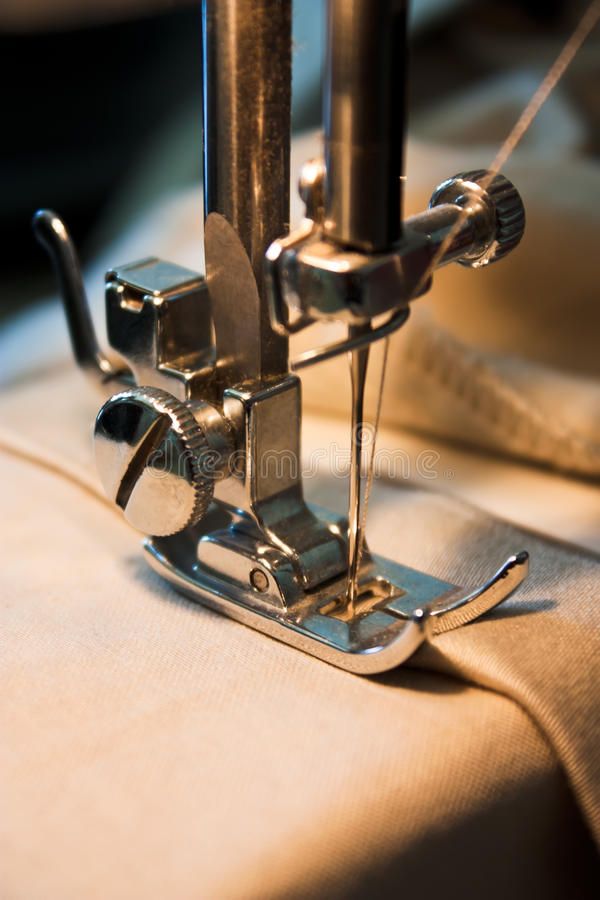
(359, 362)
(311, 187)
(330, 351)
(267, 485)
(238, 311)
(364, 119)
(475, 218)
(154, 460)
(398, 608)
(492, 217)
(247, 109)
(202, 450)
(53, 235)
(313, 279)
(159, 319)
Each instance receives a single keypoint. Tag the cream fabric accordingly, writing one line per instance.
(151, 748)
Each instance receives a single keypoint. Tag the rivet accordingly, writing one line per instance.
(259, 581)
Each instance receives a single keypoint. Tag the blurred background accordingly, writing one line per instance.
(102, 103)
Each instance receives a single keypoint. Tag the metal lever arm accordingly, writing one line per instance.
(51, 232)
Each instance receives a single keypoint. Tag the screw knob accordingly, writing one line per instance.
(149, 454)
(495, 208)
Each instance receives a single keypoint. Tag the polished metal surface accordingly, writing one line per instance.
(459, 610)
(311, 187)
(247, 103)
(244, 340)
(359, 362)
(364, 119)
(474, 218)
(154, 461)
(492, 207)
(53, 235)
(380, 637)
(311, 276)
(158, 318)
(202, 450)
(267, 484)
(329, 351)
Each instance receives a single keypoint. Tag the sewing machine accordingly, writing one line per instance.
(199, 442)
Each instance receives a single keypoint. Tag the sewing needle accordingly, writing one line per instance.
(359, 362)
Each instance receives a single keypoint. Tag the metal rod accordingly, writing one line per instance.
(247, 103)
(364, 113)
(449, 227)
(321, 354)
(53, 235)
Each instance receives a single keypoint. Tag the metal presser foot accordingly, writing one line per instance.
(200, 444)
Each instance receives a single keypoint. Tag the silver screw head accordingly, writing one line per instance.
(311, 187)
(149, 449)
(259, 581)
(496, 213)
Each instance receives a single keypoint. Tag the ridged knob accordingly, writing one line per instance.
(495, 207)
(149, 454)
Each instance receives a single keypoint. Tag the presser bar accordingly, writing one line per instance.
(208, 397)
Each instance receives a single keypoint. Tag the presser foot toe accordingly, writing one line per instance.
(460, 607)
